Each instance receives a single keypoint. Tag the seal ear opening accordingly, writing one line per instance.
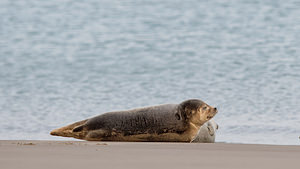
(184, 114)
(189, 113)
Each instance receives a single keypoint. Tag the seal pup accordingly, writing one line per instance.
(168, 122)
(207, 132)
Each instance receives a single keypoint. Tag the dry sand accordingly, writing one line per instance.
(123, 155)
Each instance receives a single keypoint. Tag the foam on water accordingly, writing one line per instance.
(63, 61)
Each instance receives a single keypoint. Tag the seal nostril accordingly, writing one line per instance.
(215, 109)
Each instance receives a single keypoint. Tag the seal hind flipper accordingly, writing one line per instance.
(67, 131)
(78, 129)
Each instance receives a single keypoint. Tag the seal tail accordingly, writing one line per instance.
(75, 130)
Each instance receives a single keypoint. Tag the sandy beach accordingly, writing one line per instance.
(82, 154)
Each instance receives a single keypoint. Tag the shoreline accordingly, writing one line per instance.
(85, 154)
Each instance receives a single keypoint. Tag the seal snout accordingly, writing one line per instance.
(215, 111)
(212, 113)
(210, 116)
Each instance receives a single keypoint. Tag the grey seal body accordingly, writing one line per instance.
(207, 132)
(168, 122)
(142, 120)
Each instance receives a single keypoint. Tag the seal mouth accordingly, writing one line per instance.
(209, 117)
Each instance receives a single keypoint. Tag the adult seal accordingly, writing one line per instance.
(207, 132)
(168, 122)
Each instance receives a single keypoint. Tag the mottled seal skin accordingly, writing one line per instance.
(168, 122)
(207, 132)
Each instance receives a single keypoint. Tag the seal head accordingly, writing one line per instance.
(207, 132)
(196, 111)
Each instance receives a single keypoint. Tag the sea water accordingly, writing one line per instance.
(66, 60)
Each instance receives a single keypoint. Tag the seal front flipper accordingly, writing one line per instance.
(75, 130)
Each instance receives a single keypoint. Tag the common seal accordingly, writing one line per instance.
(207, 132)
(168, 122)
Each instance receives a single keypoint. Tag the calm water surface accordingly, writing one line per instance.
(66, 60)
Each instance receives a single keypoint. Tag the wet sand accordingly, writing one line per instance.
(105, 155)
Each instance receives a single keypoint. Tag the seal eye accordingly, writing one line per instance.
(204, 108)
(210, 130)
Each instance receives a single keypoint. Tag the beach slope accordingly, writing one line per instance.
(82, 154)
